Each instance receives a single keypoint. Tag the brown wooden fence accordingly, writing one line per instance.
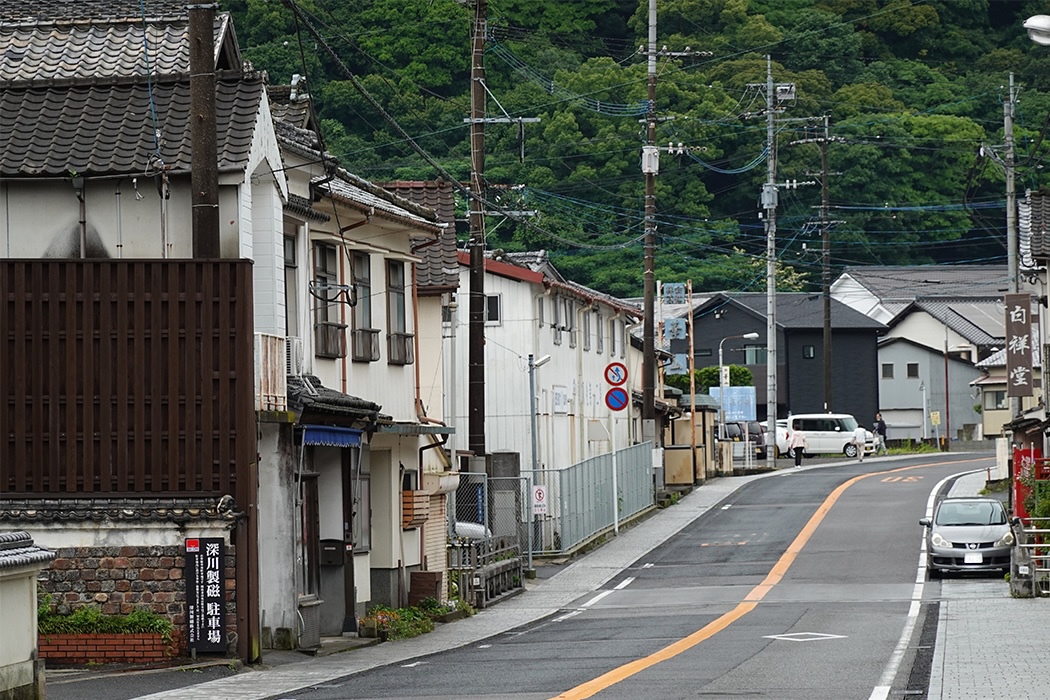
(121, 377)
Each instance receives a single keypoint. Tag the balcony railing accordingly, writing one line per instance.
(271, 372)
(400, 348)
(364, 345)
(330, 339)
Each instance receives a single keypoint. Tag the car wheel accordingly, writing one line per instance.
(850, 451)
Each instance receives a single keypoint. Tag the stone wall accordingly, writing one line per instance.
(119, 580)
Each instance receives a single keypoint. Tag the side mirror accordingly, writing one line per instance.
(1015, 521)
(925, 522)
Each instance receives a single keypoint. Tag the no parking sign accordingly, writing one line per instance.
(539, 500)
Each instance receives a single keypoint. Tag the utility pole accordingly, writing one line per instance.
(825, 261)
(650, 166)
(1011, 226)
(204, 166)
(476, 341)
(769, 204)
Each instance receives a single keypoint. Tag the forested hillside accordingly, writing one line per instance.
(913, 91)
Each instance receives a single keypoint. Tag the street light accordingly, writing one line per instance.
(1038, 28)
(722, 380)
(533, 364)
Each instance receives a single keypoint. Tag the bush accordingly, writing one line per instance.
(401, 623)
(90, 620)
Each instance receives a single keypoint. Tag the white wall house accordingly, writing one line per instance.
(532, 310)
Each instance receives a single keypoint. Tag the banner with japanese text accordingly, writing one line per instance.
(1019, 381)
(205, 574)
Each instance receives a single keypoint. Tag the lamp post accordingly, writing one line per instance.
(533, 364)
(722, 380)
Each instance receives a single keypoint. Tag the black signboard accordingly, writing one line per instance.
(205, 574)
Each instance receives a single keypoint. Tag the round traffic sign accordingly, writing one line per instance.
(616, 373)
(616, 398)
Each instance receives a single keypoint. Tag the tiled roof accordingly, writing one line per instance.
(907, 282)
(980, 321)
(93, 10)
(175, 510)
(106, 127)
(803, 310)
(63, 50)
(306, 393)
(17, 549)
(440, 269)
(368, 197)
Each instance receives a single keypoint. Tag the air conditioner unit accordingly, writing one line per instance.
(294, 355)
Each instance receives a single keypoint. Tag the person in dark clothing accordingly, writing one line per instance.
(880, 435)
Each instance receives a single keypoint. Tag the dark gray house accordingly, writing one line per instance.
(800, 350)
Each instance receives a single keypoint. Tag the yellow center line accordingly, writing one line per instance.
(750, 602)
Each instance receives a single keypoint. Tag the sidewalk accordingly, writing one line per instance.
(976, 656)
(988, 643)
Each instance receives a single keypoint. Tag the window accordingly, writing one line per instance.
(493, 309)
(808, 352)
(400, 348)
(539, 311)
(754, 354)
(556, 321)
(913, 370)
(995, 400)
(705, 352)
(586, 331)
(623, 339)
(887, 370)
(599, 336)
(612, 337)
(329, 332)
(570, 320)
(364, 345)
(291, 275)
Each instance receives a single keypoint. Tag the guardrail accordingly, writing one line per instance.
(486, 570)
(1030, 558)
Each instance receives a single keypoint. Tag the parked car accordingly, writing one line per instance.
(968, 534)
(781, 438)
(829, 433)
(752, 431)
(744, 431)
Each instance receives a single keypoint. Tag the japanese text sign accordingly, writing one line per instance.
(1018, 344)
(205, 573)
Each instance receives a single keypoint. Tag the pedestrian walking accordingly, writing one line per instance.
(880, 435)
(860, 437)
(797, 442)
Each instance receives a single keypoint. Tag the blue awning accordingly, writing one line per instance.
(331, 436)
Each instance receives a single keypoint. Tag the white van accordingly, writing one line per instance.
(829, 433)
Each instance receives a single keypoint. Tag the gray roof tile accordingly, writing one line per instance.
(56, 128)
(803, 310)
(907, 282)
(17, 549)
(440, 267)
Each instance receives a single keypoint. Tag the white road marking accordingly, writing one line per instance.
(413, 664)
(804, 637)
(595, 599)
(623, 584)
(648, 566)
(882, 690)
(567, 615)
(726, 506)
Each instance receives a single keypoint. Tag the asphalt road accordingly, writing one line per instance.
(798, 587)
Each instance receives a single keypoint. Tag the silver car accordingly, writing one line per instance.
(968, 534)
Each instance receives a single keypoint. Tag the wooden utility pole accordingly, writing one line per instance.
(476, 341)
(649, 166)
(204, 160)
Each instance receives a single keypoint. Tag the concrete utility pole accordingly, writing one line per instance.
(476, 340)
(769, 204)
(825, 262)
(650, 166)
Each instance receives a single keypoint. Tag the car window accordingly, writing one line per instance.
(971, 513)
(807, 424)
(849, 423)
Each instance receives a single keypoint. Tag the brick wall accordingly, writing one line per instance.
(119, 580)
(108, 648)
